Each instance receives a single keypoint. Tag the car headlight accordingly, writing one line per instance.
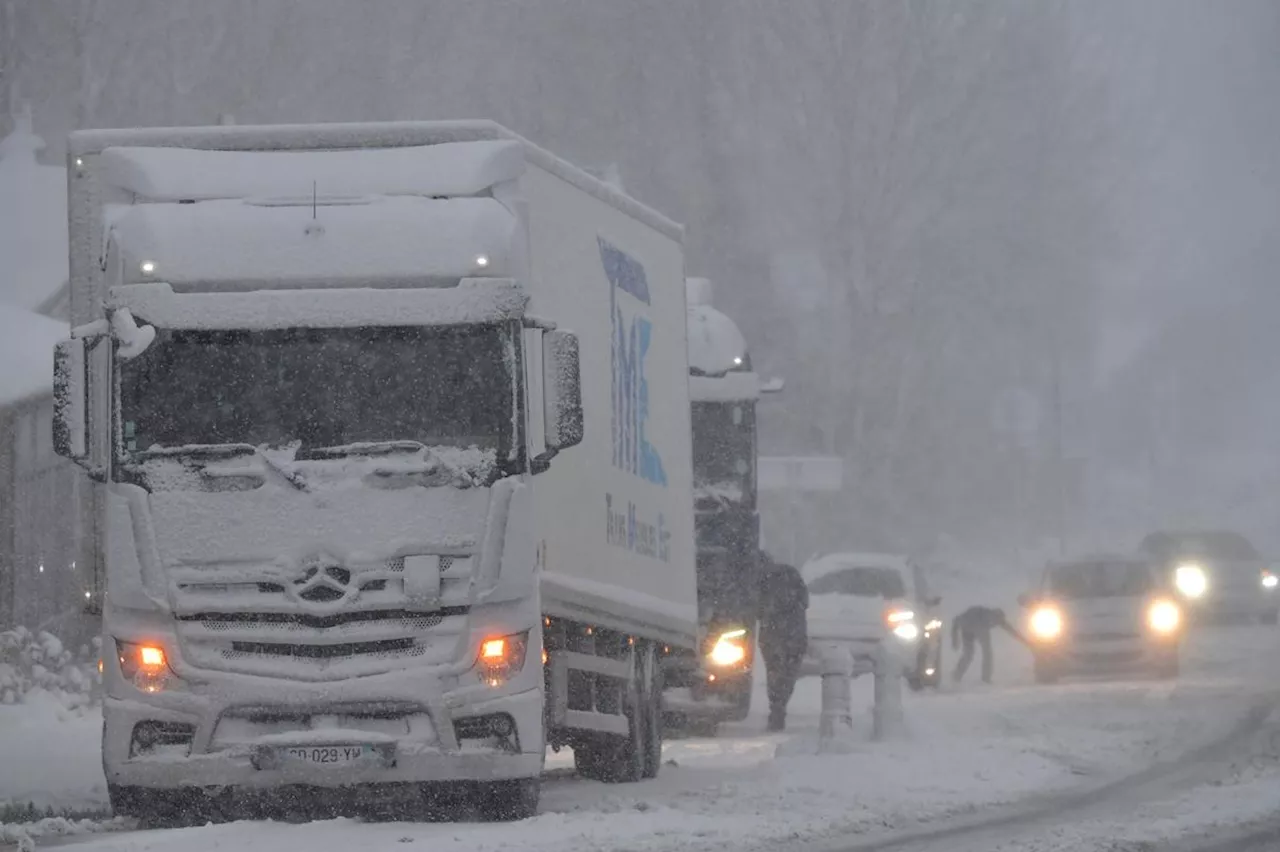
(730, 649)
(1191, 580)
(907, 631)
(1164, 617)
(934, 624)
(1269, 580)
(1046, 623)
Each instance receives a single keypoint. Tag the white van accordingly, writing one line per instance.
(1103, 614)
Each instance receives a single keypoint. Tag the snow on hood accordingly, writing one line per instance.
(358, 507)
(829, 564)
(26, 351)
(353, 524)
(33, 221)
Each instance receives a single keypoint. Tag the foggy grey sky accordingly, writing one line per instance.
(991, 172)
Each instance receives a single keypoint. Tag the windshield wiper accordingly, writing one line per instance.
(200, 452)
(361, 448)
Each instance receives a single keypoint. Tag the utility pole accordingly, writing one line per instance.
(1059, 463)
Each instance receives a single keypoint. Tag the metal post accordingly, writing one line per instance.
(886, 713)
(837, 709)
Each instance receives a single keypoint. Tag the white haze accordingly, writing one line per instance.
(924, 215)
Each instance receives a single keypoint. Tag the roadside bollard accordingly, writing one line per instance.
(886, 713)
(837, 706)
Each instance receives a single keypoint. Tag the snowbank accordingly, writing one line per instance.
(51, 756)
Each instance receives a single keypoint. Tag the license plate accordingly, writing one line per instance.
(328, 755)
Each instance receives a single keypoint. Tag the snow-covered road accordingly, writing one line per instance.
(967, 753)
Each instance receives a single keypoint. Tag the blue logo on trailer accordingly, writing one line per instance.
(631, 337)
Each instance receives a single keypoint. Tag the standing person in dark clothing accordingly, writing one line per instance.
(784, 633)
(973, 627)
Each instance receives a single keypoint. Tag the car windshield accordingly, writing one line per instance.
(1100, 580)
(320, 388)
(724, 446)
(861, 582)
(1225, 546)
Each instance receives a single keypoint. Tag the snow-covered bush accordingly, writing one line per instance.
(38, 661)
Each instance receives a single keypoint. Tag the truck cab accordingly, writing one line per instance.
(342, 458)
(723, 390)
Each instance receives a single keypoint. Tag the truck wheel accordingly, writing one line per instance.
(742, 699)
(154, 808)
(651, 673)
(508, 801)
(619, 759)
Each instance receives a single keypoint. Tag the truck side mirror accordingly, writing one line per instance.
(70, 425)
(562, 386)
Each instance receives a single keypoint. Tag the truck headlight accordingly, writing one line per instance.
(1269, 580)
(730, 649)
(1046, 623)
(1164, 617)
(502, 657)
(1191, 580)
(145, 665)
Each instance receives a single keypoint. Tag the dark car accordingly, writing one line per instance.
(1217, 574)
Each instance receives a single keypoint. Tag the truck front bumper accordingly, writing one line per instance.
(203, 741)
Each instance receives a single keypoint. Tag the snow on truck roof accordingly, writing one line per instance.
(179, 174)
(402, 238)
(334, 138)
(716, 345)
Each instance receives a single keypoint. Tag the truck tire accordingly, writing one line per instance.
(154, 808)
(619, 759)
(508, 801)
(742, 701)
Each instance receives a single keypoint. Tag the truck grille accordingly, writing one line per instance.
(359, 621)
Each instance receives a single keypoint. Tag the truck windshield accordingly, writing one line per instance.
(439, 386)
(724, 451)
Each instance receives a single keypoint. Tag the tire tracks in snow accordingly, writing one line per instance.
(1200, 762)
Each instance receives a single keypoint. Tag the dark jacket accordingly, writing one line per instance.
(783, 601)
(977, 621)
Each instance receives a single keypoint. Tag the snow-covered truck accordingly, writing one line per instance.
(715, 684)
(390, 430)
